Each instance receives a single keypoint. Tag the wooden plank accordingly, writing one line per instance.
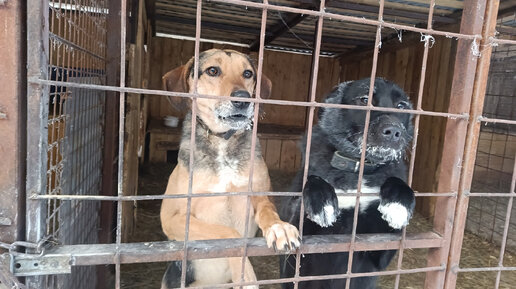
(293, 86)
(134, 132)
(130, 167)
(410, 73)
(263, 146)
(402, 59)
(365, 68)
(155, 74)
(386, 64)
(299, 159)
(273, 154)
(424, 145)
(288, 156)
(442, 93)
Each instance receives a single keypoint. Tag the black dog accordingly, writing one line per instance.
(334, 165)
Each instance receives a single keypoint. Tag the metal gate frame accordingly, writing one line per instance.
(464, 118)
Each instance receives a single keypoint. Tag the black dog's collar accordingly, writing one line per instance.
(343, 163)
(226, 135)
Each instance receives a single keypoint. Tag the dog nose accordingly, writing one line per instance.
(240, 93)
(392, 133)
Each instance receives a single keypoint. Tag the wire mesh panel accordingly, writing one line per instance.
(77, 48)
(491, 171)
(496, 148)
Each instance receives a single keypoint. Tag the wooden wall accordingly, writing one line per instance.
(135, 118)
(402, 63)
(289, 73)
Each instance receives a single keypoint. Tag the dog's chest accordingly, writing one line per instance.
(228, 170)
(348, 202)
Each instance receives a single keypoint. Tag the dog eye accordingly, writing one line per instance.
(402, 105)
(248, 74)
(364, 99)
(213, 71)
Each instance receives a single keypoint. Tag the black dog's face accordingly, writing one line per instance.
(388, 134)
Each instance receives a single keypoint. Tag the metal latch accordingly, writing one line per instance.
(36, 262)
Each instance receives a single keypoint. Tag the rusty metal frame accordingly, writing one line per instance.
(37, 98)
(464, 117)
(12, 123)
(471, 142)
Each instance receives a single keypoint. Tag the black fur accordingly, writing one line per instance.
(172, 277)
(341, 130)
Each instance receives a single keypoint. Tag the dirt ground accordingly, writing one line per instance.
(476, 251)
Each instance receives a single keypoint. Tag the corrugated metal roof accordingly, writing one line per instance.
(240, 24)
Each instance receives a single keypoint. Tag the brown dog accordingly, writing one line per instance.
(222, 162)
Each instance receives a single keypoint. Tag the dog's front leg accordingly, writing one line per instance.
(280, 235)
(397, 202)
(174, 227)
(235, 264)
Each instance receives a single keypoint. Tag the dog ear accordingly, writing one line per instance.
(177, 80)
(266, 87)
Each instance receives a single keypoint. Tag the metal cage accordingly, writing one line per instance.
(77, 92)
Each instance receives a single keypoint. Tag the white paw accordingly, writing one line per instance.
(395, 214)
(326, 217)
(282, 237)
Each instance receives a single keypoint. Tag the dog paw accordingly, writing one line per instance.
(320, 201)
(282, 236)
(397, 202)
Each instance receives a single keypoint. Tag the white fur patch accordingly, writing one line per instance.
(227, 171)
(326, 218)
(346, 202)
(211, 271)
(395, 214)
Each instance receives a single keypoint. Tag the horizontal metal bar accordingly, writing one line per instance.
(496, 120)
(325, 277)
(390, 11)
(353, 19)
(158, 197)
(74, 46)
(203, 195)
(463, 116)
(497, 41)
(486, 269)
(25, 265)
(98, 254)
(505, 195)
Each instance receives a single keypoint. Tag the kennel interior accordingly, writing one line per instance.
(91, 188)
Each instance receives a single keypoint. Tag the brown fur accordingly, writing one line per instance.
(221, 217)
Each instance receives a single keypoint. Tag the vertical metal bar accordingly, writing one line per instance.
(192, 140)
(37, 115)
(416, 133)
(263, 26)
(121, 130)
(506, 225)
(110, 124)
(473, 130)
(364, 142)
(454, 139)
(313, 88)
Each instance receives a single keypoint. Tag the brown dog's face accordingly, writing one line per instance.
(222, 73)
